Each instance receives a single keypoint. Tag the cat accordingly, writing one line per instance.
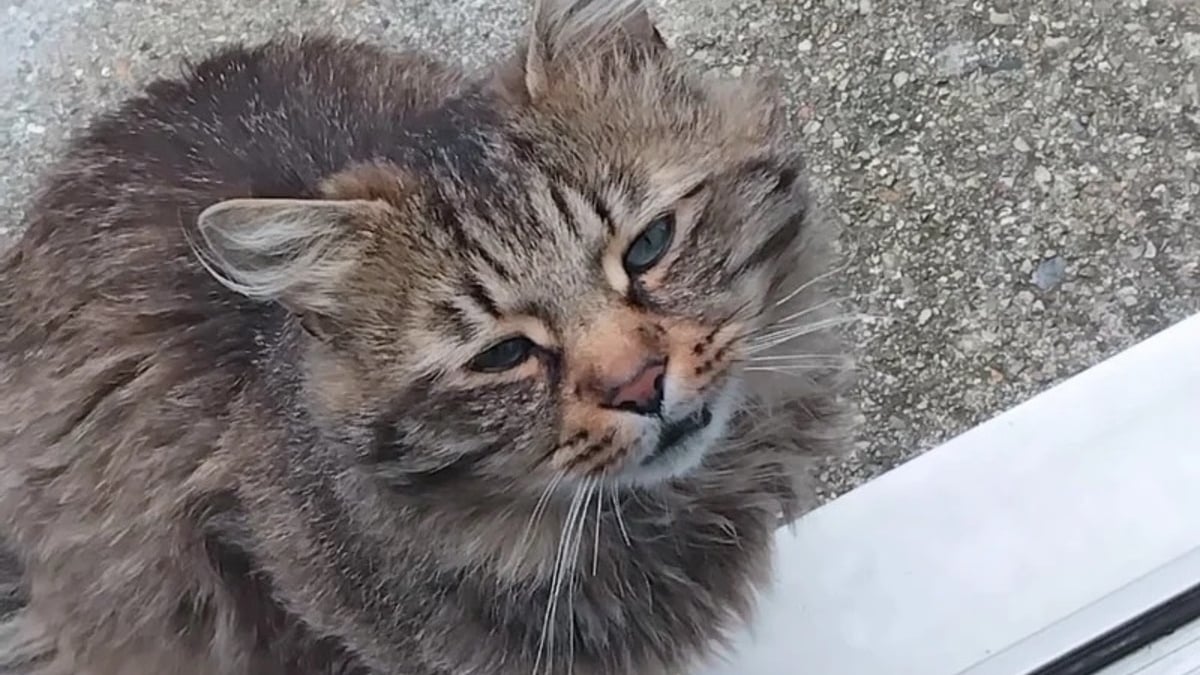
(323, 358)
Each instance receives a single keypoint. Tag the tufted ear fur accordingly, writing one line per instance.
(565, 29)
(297, 252)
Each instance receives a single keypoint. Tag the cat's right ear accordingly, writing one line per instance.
(563, 29)
(297, 252)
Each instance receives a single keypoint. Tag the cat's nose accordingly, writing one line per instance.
(642, 393)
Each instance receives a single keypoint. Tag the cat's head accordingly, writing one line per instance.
(568, 282)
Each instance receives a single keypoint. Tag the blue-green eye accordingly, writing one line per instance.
(503, 356)
(650, 246)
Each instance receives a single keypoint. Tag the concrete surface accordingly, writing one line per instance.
(1017, 179)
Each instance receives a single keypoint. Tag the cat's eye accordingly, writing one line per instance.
(650, 246)
(503, 356)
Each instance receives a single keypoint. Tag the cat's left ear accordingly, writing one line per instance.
(297, 252)
(562, 30)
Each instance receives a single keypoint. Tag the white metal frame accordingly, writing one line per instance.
(1007, 546)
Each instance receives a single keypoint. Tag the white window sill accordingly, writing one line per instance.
(1007, 546)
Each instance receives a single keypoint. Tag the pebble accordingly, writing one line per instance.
(35, 128)
(1049, 273)
(1021, 144)
(901, 78)
(924, 317)
(1056, 42)
(1042, 175)
(1001, 18)
(805, 45)
(955, 58)
(1128, 295)
(1151, 251)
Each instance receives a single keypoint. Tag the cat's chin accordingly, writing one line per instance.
(681, 445)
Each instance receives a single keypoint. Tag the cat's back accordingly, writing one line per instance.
(266, 121)
(107, 234)
(119, 355)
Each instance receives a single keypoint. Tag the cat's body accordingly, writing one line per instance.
(277, 472)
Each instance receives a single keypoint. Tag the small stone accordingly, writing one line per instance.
(1128, 296)
(924, 317)
(955, 59)
(1049, 273)
(805, 45)
(812, 127)
(1001, 18)
(1021, 145)
(995, 375)
(901, 78)
(1025, 298)
(1056, 42)
(1151, 251)
(35, 128)
(1191, 44)
(864, 6)
(1042, 175)
(736, 71)
(890, 196)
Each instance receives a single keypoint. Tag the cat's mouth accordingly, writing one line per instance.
(681, 443)
(677, 433)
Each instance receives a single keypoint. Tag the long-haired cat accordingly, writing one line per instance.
(326, 359)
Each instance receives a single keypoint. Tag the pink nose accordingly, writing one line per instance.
(643, 392)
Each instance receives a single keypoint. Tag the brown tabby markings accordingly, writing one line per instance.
(240, 429)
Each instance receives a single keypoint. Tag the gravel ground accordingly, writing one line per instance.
(1017, 181)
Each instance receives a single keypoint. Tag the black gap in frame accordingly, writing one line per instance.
(1140, 631)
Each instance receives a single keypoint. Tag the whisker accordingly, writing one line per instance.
(797, 357)
(572, 572)
(596, 539)
(546, 642)
(815, 280)
(777, 338)
(539, 510)
(729, 318)
(794, 372)
(620, 518)
(806, 311)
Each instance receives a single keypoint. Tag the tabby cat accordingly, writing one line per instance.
(327, 359)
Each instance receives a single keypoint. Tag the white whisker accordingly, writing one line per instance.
(589, 490)
(806, 311)
(546, 642)
(784, 336)
(815, 280)
(596, 539)
(798, 357)
(794, 372)
(539, 510)
(620, 518)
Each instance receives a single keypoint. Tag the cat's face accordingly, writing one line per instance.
(563, 290)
